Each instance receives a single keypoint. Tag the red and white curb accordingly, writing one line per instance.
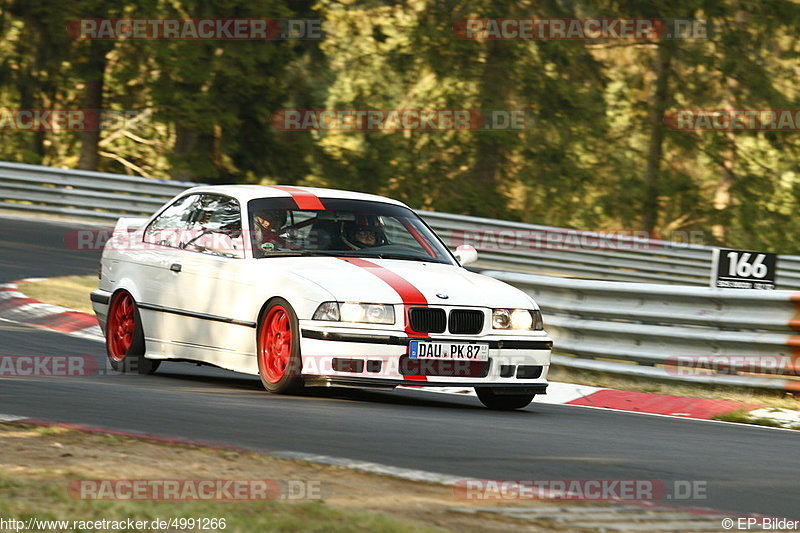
(630, 401)
(17, 307)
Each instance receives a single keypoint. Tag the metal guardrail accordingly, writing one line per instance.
(612, 326)
(716, 336)
(520, 247)
(531, 248)
(81, 193)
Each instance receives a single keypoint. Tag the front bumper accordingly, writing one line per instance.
(379, 358)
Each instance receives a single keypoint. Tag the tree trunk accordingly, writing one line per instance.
(655, 148)
(479, 190)
(722, 193)
(93, 101)
(182, 151)
(196, 154)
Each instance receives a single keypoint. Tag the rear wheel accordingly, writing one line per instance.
(125, 337)
(278, 348)
(503, 402)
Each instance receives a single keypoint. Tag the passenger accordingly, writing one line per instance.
(267, 224)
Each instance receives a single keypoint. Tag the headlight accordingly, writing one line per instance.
(517, 319)
(327, 311)
(501, 319)
(355, 312)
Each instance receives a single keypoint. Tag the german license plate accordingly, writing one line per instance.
(460, 351)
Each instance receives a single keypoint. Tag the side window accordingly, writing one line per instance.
(167, 228)
(214, 227)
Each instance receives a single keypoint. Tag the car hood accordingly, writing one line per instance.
(394, 281)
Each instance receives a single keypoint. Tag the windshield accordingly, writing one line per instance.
(347, 228)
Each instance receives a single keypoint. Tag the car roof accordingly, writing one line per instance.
(245, 193)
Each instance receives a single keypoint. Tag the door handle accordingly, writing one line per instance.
(175, 267)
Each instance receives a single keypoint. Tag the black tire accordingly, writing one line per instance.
(132, 360)
(503, 402)
(269, 362)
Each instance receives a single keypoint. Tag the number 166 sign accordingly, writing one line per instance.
(742, 269)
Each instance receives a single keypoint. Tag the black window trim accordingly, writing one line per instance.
(455, 261)
(183, 197)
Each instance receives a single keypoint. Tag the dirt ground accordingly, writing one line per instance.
(63, 455)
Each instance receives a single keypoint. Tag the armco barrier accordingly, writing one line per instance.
(620, 326)
(81, 193)
(646, 329)
(614, 257)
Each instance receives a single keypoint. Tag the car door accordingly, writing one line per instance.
(209, 293)
(155, 261)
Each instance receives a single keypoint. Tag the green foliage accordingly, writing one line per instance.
(595, 152)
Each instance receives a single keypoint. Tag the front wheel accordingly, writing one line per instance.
(278, 348)
(125, 337)
(503, 402)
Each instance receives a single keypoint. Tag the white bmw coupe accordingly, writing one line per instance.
(314, 287)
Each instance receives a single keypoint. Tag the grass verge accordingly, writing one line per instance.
(38, 464)
(741, 416)
(46, 500)
(67, 291)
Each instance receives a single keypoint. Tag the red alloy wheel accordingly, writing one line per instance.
(121, 326)
(275, 344)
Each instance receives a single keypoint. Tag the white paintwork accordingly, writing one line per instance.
(238, 288)
(466, 254)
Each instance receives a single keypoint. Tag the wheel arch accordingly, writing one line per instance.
(302, 294)
(126, 284)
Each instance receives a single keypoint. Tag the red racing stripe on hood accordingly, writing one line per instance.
(410, 295)
(303, 199)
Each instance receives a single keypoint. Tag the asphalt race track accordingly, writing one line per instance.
(747, 469)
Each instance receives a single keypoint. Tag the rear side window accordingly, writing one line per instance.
(206, 223)
(166, 228)
(215, 227)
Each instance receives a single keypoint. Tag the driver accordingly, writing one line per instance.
(364, 232)
(266, 225)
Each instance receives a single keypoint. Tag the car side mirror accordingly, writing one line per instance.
(466, 254)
